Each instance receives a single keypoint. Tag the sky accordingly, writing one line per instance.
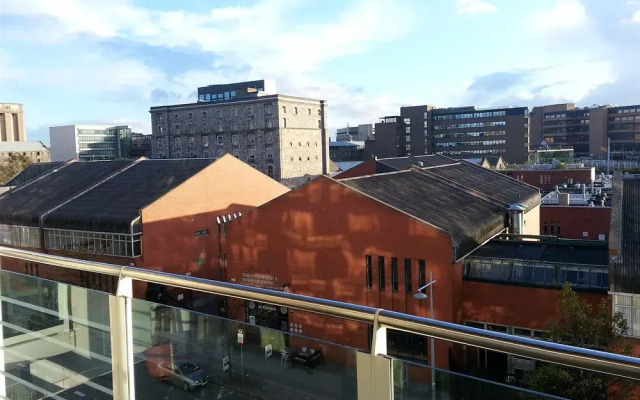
(109, 61)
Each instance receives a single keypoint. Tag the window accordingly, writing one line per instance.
(205, 141)
(176, 127)
(219, 113)
(220, 139)
(205, 154)
(250, 111)
(269, 151)
(235, 139)
(204, 114)
(381, 272)
(284, 109)
(407, 120)
(319, 124)
(235, 112)
(160, 143)
(394, 274)
(251, 138)
(270, 170)
(175, 116)
(267, 109)
(192, 142)
(252, 154)
(422, 275)
(407, 129)
(219, 126)
(160, 129)
(269, 137)
(319, 112)
(407, 275)
(295, 110)
(308, 109)
(368, 271)
(190, 115)
(177, 142)
(236, 153)
(269, 123)
(250, 123)
(178, 154)
(284, 122)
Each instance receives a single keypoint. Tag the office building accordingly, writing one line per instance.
(587, 129)
(12, 125)
(461, 132)
(285, 137)
(235, 91)
(90, 142)
(346, 151)
(34, 151)
(140, 145)
(361, 132)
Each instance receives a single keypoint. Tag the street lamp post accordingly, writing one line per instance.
(422, 296)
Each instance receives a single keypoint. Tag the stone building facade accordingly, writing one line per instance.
(285, 137)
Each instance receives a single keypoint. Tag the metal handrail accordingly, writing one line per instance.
(578, 357)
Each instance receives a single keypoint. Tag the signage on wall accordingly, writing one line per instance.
(252, 319)
(203, 232)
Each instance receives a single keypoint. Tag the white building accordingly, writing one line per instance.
(89, 142)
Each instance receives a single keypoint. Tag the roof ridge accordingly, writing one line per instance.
(38, 178)
(376, 174)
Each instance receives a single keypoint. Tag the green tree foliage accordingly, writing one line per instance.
(580, 325)
(12, 166)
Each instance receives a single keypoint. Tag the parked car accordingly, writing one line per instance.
(188, 375)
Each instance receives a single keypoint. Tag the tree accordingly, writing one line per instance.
(580, 326)
(12, 166)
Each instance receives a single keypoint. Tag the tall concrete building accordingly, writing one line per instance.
(90, 142)
(587, 129)
(460, 132)
(283, 136)
(12, 126)
(358, 133)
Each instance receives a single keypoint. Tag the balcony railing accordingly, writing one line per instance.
(62, 341)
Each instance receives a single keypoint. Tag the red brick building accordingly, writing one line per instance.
(547, 180)
(372, 241)
(575, 222)
(156, 214)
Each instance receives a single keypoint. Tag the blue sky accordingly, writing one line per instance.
(89, 61)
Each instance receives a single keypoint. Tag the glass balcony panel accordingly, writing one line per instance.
(55, 339)
(185, 354)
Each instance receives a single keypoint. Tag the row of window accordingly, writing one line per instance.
(628, 110)
(220, 140)
(221, 152)
(568, 122)
(94, 138)
(485, 114)
(525, 272)
(468, 134)
(628, 118)
(567, 129)
(470, 125)
(472, 143)
(295, 111)
(382, 275)
(567, 139)
(23, 236)
(96, 146)
(475, 152)
(113, 244)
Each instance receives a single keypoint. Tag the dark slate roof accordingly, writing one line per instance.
(25, 204)
(561, 251)
(33, 171)
(115, 203)
(625, 269)
(468, 219)
(428, 160)
(490, 183)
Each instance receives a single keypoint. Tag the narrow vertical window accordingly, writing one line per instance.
(407, 275)
(381, 272)
(369, 271)
(422, 275)
(394, 274)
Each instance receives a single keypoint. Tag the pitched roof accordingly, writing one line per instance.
(33, 171)
(115, 203)
(561, 251)
(346, 144)
(16, 147)
(625, 224)
(489, 183)
(25, 204)
(345, 165)
(428, 160)
(468, 218)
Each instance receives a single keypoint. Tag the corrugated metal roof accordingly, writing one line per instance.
(33, 171)
(428, 160)
(625, 269)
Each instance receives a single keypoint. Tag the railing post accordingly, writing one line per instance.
(122, 340)
(375, 370)
(3, 381)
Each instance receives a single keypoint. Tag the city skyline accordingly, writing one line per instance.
(91, 62)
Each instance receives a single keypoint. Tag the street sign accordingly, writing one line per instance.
(268, 350)
(240, 337)
(225, 364)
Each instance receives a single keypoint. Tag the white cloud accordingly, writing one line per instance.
(475, 7)
(636, 17)
(567, 15)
